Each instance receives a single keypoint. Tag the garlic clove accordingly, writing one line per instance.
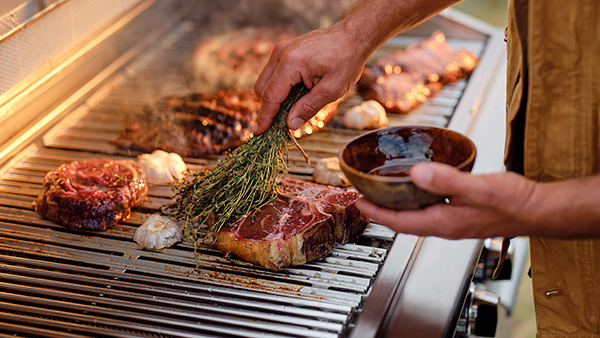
(157, 232)
(368, 115)
(162, 167)
(328, 171)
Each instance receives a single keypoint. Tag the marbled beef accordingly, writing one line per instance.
(93, 194)
(301, 225)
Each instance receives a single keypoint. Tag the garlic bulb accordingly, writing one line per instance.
(157, 232)
(369, 115)
(162, 167)
(328, 171)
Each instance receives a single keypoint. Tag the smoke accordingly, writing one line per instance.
(304, 16)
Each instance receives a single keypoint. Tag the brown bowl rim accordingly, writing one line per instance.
(404, 178)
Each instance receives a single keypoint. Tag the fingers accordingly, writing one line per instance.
(268, 70)
(423, 222)
(442, 179)
(320, 95)
(273, 85)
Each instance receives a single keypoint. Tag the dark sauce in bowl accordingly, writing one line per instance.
(399, 167)
(377, 163)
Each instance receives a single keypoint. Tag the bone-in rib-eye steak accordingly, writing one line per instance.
(301, 225)
(92, 195)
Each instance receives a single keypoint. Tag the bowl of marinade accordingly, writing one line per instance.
(377, 163)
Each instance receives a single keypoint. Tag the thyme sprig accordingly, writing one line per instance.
(243, 181)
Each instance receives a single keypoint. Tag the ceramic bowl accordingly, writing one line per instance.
(377, 162)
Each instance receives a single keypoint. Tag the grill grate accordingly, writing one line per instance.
(56, 281)
(88, 279)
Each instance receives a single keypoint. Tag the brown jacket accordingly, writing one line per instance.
(553, 104)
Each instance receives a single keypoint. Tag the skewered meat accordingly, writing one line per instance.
(301, 225)
(92, 195)
(405, 79)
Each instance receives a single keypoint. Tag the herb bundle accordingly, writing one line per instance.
(241, 182)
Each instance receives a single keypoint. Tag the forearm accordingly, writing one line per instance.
(376, 21)
(567, 209)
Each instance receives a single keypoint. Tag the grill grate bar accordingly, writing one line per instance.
(125, 290)
(366, 258)
(154, 312)
(104, 277)
(60, 320)
(122, 262)
(31, 327)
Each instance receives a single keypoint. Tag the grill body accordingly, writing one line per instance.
(59, 282)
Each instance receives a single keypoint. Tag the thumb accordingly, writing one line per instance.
(440, 179)
(321, 94)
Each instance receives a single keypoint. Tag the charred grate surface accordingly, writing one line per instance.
(59, 282)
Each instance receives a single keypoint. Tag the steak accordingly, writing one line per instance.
(234, 59)
(403, 80)
(203, 124)
(301, 225)
(92, 195)
(193, 125)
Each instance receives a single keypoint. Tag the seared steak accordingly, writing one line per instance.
(301, 225)
(193, 125)
(92, 195)
(234, 59)
(405, 79)
(202, 124)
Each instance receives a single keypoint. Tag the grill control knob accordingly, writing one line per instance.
(489, 260)
(480, 314)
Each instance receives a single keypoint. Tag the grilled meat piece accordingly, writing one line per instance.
(405, 79)
(301, 225)
(234, 59)
(203, 124)
(194, 125)
(92, 195)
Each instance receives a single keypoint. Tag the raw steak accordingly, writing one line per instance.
(301, 225)
(92, 195)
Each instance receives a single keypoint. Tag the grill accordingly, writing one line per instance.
(59, 282)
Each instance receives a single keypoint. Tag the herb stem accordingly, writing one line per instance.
(243, 181)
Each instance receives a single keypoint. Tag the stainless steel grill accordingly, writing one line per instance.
(59, 282)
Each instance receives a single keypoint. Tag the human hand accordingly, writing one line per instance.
(329, 61)
(481, 206)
